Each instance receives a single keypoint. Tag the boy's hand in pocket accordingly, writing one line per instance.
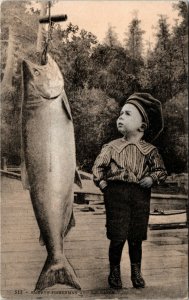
(146, 182)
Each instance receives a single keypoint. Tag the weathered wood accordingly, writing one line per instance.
(41, 28)
(168, 226)
(79, 235)
(96, 282)
(39, 256)
(178, 232)
(57, 18)
(86, 246)
(10, 174)
(98, 263)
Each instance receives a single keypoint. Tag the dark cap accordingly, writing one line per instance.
(151, 110)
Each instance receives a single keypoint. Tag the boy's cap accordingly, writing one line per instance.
(151, 110)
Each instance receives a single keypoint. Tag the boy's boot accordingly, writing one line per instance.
(114, 279)
(135, 253)
(136, 276)
(115, 251)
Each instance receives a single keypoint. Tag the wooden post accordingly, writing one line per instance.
(4, 163)
(41, 27)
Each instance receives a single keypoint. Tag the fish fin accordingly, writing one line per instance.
(78, 178)
(66, 105)
(57, 272)
(41, 240)
(70, 225)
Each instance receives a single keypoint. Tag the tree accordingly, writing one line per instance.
(94, 115)
(111, 38)
(165, 72)
(156, 77)
(73, 49)
(18, 42)
(162, 35)
(113, 72)
(16, 24)
(179, 45)
(173, 142)
(133, 40)
(10, 61)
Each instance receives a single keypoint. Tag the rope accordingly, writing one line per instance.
(48, 38)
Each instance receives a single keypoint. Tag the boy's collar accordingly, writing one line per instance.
(144, 147)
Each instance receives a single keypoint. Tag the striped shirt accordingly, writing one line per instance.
(127, 161)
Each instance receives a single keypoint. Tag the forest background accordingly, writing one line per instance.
(99, 76)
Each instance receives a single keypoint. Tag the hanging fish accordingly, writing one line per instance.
(49, 154)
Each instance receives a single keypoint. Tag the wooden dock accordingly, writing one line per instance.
(164, 255)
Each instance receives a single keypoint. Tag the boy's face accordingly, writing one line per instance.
(130, 120)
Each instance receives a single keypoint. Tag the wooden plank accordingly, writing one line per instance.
(168, 226)
(164, 247)
(32, 268)
(92, 282)
(33, 234)
(39, 256)
(29, 271)
(29, 235)
(10, 174)
(84, 231)
(34, 227)
(172, 275)
(69, 245)
(169, 196)
(165, 219)
(95, 237)
(168, 240)
(16, 212)
(166, 232)
(29, 210)
(94, 253)
(30, 220)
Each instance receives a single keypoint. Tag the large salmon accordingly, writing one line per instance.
(49, 153)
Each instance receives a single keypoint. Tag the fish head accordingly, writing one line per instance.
(46, 80)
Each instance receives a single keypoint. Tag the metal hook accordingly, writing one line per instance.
(51, 20)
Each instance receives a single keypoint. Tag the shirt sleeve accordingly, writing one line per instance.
(100, 167)
(157, 168)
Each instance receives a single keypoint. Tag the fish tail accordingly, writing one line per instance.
(57, 272)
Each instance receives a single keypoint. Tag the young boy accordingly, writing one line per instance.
(125, 171)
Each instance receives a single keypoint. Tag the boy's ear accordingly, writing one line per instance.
(143, 127)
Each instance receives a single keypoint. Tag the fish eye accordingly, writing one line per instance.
(36, 72)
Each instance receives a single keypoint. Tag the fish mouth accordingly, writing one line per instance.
(119, 124)
(51, 98)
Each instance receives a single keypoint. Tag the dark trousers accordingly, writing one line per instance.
(127, 211)
(115, 251)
